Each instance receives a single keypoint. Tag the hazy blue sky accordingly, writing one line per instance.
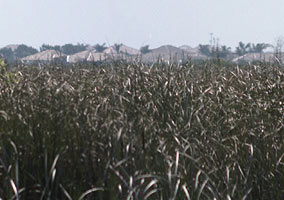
(139, 22)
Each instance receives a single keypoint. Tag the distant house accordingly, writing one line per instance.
(125, 53)
(169, 53)
(78, 57)
(122, 50)
(45, 56)
(251, 57)
(96, 57)
(88, 55)
(193, 52)
(110, 54)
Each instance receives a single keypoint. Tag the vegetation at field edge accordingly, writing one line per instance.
(133, 131)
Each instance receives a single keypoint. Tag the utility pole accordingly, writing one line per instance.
(217, 50)
(217, 42)
(211, 39)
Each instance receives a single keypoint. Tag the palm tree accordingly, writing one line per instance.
(145, 49)
(258, 48)
(221, 52)
(224, 52)
(100, 48)
(117, 47)
(205, 50)
(243, 48)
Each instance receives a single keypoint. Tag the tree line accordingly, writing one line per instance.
(68, 49)
(224, 51)
(23, 50)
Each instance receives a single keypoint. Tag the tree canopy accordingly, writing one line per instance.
(45, 47)
(243, 49)
(259, 47)
(70, 49)
(205, 50)
(100, 48)
(145, 49)
(8, 54)
(24, 50)
(117, 47)
(211, 51)
(224, 51)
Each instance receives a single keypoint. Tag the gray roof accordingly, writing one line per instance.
(250, 57)
(88, 55)
(78, 57)
(123, 49)
(48, 55)
(95, 56)
(170, 53)
(193, 50)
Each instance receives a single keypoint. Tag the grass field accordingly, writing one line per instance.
(130, 131)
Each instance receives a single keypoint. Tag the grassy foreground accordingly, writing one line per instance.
(142, 132)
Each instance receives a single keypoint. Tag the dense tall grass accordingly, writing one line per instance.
(128, 131)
